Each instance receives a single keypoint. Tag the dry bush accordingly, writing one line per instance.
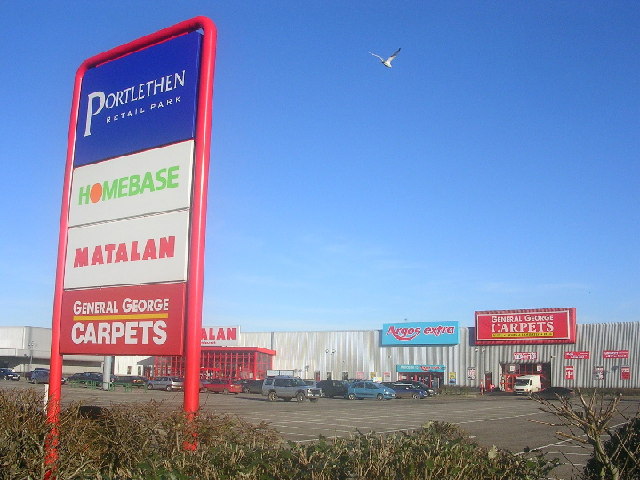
(146, 442)
(616, 453)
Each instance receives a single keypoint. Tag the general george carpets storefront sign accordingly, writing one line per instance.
(526, 326)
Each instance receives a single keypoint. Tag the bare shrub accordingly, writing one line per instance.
(589, 423)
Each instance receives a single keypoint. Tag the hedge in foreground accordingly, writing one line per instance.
(145, 441)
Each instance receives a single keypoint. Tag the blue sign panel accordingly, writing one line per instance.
(142, 100)
(425, 333)
(419, 368)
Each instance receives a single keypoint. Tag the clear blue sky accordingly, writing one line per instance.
(495, 166)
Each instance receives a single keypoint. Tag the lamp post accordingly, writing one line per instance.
(31, 346)
(481, 372)
(330, 351)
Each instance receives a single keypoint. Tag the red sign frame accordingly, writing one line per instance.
(194, 292)
(526, 326)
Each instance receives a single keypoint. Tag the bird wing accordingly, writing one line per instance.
(394, 55)
(381, 59)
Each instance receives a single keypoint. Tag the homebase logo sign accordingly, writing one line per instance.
(139, 101)
(149, 182)
(130, 186)
(423, 333)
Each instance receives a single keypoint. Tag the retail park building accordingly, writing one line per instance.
(439, 353)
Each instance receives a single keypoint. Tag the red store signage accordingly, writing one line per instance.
(569, 372)
(615, 354)
(526, 326)
(576, 355)
(130, 320)
(525, 356)
(625, 373)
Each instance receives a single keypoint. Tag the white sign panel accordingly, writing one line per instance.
(157, 180)
(128, 252)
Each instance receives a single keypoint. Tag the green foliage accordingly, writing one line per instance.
(146, 441)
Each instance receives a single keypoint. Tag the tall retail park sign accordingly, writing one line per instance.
(128, 238)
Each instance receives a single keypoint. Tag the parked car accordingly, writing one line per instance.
(134, 380)
(39, 376)
(333, 388)
(416, 384)
(553, 393)
(166, 383)
(287, 388)
(251, 386)
(375, 390)
(27, 375)
(222, 385)
(86, 378)
(9, 374)
(312, 383)
(406, 390)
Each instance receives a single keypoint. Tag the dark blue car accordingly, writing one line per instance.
(407, 391)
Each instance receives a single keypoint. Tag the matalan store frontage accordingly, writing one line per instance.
(503, 345)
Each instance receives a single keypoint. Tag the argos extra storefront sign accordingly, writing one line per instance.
(422, 333)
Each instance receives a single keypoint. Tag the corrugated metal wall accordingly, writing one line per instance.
(360, 351)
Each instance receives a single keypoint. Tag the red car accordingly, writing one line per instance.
(222, 385)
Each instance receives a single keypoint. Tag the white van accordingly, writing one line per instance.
(527, 384)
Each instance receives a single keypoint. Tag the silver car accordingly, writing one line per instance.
(166, 383)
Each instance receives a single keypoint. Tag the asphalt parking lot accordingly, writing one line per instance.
(507, 421)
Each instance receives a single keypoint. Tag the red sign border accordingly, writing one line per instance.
(198, 211)
(571, 327)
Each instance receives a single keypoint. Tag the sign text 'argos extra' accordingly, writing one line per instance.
(424, 333)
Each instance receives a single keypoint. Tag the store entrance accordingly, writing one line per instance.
(431, 379)
(509, 372)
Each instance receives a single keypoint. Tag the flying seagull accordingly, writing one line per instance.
(387, 62)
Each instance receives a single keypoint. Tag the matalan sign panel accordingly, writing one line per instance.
(526, 326)
(220, 336)
(136, 251)
(145, 183)
(132, 320)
